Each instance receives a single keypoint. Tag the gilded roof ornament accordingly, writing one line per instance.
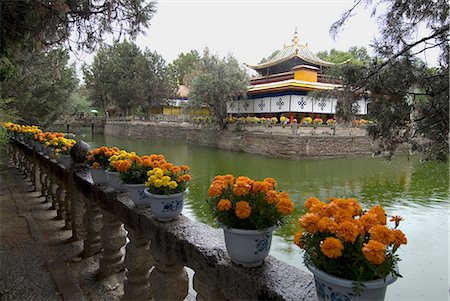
(295, 39)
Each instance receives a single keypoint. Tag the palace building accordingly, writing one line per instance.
(283, 85)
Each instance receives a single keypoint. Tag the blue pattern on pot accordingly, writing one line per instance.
(166, 207)
(263, 245)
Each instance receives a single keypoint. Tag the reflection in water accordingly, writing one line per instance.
(417, 191)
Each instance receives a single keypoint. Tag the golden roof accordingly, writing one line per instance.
(291, 51)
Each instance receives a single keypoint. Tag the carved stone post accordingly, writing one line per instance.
(92, 222)
(169, 279)
(52, 186)
(42, 176)
(61, 210)
(67, 205)
(113, 239)
(138, 262)
(207, 287)
(77, 213)
(78, 155)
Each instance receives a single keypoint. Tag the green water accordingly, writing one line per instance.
(417, 191)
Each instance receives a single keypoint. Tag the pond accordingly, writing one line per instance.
(417, 191)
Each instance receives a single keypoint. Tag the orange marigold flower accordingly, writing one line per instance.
(243, 209)
(298, 238)
(373, 251)
(347, 231)
(242, 187)
(96, 165)
(184, 168)
(176, 169)
(185, 178)
(397, 219)
(271, 181)
(285, 206)
(271, 197)
(309, 222)
(216, 188)
(327, 224)
(258, 187)
(368, 220)
(331, 247)
(380, 213)
(398, 238)
(311, 201)
(381, 234)
(224, 205)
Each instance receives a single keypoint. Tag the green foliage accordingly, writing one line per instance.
(79, 102)
(45, 85)
(266, 59)
(36, 25)
(136, 174)
(409, 102)
(123, 76)
(355, 55)
(183, 65)
(218, 81)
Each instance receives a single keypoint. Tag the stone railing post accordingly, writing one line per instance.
(60, 192)
(92, 222)
(138, 262)
(78, 155)
(207, 287)
(113, 239)
(169, 279)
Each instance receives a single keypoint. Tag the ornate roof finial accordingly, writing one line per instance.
(295, 38)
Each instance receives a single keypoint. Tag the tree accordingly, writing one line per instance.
(118, 76)
(31, 31)
(160, 85)
(218, 81)
(184, 64)
(271, 56)
(408, 100)
(123, 76)
(45, 86)
(355, 55)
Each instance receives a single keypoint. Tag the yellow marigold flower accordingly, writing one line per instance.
(285, 206)
(173, 184)
(373, 251)
(96, 165)
(380, 213)
(298, 238)
(158, 183)
(347, 231)
(381, 234)
(152, 179)
(159, 173)
(223, 205)
(398, 238)
(243, 209)
(331, 247)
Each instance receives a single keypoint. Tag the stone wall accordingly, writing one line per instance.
(291, 146)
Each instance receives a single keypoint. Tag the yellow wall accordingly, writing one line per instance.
(180, 111)
(305, 74)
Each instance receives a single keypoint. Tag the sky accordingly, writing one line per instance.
(251, 30)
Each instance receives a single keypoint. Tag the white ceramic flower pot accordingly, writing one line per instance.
(66, 160)
(330, 288)
(248, 248)
(114, 181)
(99, 176)
(166, 207)
(137, 195)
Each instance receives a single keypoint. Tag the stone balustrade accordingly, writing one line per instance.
(156, 256)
